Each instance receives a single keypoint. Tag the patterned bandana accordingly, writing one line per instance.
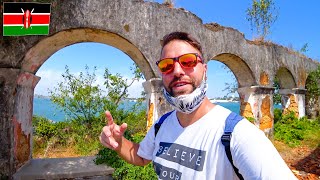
(189, 102)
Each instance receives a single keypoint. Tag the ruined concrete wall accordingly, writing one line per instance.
(7, 101)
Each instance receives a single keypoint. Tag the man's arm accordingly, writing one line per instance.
(112, 137)
(255, 156)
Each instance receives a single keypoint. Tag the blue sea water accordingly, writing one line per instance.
(46, 108)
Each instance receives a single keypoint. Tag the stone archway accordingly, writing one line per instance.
(292, 99)
(33, 60)
(39, 53)
(255, 101)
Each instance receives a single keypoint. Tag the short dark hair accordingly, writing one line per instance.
(181, 36)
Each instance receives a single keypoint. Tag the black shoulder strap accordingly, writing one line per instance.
(158, 124)
(231, 122)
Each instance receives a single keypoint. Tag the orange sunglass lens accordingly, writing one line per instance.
(188, 60)
(166, 65)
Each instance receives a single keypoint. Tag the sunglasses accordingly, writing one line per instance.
(189, 60)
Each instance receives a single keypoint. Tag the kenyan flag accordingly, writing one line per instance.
(21, 19)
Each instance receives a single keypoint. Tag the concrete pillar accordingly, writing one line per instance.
(257, 102)
(293, 100)
(22, 117)
(8, 85)
(16, 103)
(157, 104)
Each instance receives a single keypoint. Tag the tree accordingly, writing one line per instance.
(313, 83)
(276, 95)
(78, 97)
(117, 86)
(231, 87)
(313, 94)
(83, 101)
(304, 48)
(262, 14)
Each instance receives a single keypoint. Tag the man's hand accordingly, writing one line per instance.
(111, 135)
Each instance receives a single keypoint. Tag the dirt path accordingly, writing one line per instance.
(303, 161)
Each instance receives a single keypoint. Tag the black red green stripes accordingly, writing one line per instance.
(26, 19)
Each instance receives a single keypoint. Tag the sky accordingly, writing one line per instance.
(297, 24)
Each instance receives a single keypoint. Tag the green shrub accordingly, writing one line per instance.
(124, 170)
(44, 127)
(250, 119)
(292, 130)
(277, 115)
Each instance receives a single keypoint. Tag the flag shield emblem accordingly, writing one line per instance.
(21, 19)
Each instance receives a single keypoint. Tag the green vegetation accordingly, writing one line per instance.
(261, 15)
(313, 84)
(276, 95)
(292, 131)
(124, 170)
(313, 93)
(78, 97)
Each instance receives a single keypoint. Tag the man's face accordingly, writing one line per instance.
(181, 80)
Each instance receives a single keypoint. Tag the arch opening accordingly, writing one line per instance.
(239, 68)
(284, 97)
(230, 73)
(38, 54)
(76, 57)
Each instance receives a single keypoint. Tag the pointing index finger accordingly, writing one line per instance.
(109, 117)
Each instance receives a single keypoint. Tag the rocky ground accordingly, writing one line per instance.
(303, 161)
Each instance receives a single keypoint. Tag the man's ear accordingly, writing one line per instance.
(205, 71)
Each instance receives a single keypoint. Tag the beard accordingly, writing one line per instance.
(181, 92)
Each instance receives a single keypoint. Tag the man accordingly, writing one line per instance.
(188, 143)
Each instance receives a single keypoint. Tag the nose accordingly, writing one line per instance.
(178, 70)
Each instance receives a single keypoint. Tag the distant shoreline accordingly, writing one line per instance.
(222, 101)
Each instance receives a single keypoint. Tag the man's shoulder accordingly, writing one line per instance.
(219, 111)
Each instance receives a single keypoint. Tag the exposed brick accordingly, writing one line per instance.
(22, 144)
(266, 121)
(293, 107)
(264, 79)
(150, 115)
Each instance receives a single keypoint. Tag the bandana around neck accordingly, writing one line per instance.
(189, 102)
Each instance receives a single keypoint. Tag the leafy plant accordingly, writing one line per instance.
(304, 48)
(250, 119)
(44, 127)
(261, 15)
(78, 97)
(277, 115)
(124, 170)
(313, 83)
(292, 130)
(117, 86)
(313, 93)
(276, 95)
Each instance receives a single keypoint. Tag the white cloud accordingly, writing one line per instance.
(135, 89)
(49, 79)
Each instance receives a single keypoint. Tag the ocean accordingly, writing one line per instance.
(46, 108)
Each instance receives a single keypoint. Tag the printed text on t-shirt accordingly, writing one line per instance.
(185, 156)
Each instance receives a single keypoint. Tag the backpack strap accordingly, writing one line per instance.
(158, 124)
(230, 123)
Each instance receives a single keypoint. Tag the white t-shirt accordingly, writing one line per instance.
(196, 151)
